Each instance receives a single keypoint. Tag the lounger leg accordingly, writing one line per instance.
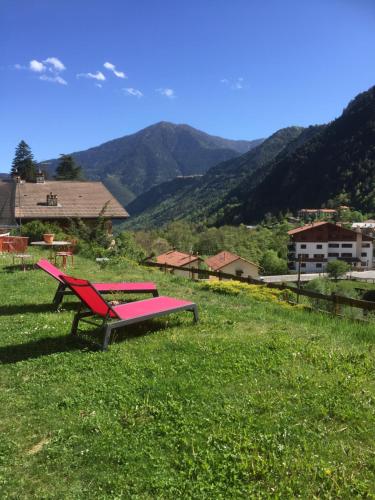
(155, 293)
(195, 312)
(76, 319)
(107, 335)
(57, 299)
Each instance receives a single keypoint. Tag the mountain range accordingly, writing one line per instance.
(133, 164)
(294, 168)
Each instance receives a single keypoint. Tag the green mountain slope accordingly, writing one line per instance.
(133, 164)
(202, 198)
(339, 159)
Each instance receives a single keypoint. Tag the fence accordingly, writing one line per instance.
(336, 299)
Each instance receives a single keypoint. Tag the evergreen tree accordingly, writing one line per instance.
(67, 169)
(23, 163)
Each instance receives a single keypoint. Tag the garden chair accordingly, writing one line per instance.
(117, 316)
(135, 287)
(69, 252)
(17, 246)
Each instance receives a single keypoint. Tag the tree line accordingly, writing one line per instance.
(25, 167)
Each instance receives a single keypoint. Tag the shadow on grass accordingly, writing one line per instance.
(37, 348)
(13, 309)
(88, 341)
(12, 268)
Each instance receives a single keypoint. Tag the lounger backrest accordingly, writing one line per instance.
(89, 296)
(50, 269)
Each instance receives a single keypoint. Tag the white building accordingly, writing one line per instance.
(318, 243)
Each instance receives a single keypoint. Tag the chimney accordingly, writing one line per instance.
(52, 200)
(16, 177)
(358, 243)
(40, 178)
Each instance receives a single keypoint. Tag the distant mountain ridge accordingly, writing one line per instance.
(205, 199)
(292, 169)
(134, 163)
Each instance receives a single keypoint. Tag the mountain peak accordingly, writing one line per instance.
(132, 164)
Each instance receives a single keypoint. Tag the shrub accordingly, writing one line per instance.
(337, 268)
(257, 292)
(35, 230)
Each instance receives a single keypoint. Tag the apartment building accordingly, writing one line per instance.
(320, 242)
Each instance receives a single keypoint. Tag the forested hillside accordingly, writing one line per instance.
(340, 160)
(133, 164)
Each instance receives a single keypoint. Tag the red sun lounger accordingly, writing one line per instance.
(137, 287)
(93, 304)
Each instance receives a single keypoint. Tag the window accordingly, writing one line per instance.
(318, 265)
(333, 254)
(318, 255)
(347, 245)
(303, 246)
(363, 254)
(303, 264)
(365, 245)
(346, 254)
(333, 245)
(363, 264)
(319, 247)
(239, 272)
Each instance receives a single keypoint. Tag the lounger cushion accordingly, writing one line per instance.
(147, 307)
(125, 287)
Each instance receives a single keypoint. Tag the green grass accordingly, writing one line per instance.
(254, 401)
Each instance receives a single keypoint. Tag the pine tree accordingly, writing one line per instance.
(67, 169)
(23, 163)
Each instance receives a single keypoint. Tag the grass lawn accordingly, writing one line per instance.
(255, 400)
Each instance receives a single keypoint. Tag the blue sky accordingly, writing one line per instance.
(236, 68)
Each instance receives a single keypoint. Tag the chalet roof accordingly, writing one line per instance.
(75, 199)
(175, 258)
(224, 258)
(307, 227)
(330, 229)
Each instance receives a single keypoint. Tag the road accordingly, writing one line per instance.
(293, 278)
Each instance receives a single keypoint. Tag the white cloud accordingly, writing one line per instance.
(109, 66)
(52, 64)
(56, 64)
(54, 79)
(133, 92)
(167, 92)
(95, 76)
(98, 85)
(36, 66)
(112, 67)
(236, 84)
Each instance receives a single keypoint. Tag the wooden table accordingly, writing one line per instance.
(53, 245)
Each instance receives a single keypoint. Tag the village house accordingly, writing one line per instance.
(231, 263)
(316, 213)
(320, 242)
(57, 202)
(180, 259)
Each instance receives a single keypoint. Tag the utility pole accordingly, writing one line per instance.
(299, 276)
